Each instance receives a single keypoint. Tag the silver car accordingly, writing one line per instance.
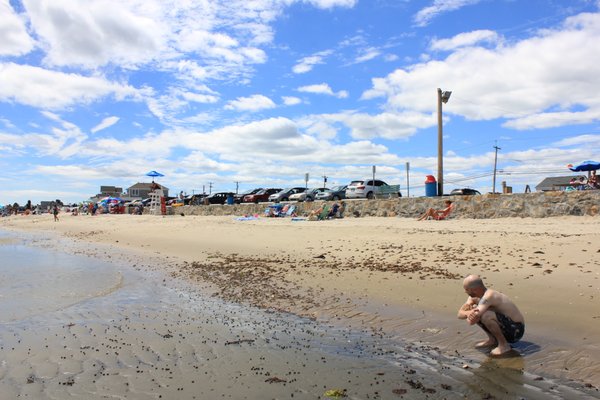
(366, 188)
(308, 195)
(285, 194)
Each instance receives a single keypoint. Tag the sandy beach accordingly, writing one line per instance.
(394, 277)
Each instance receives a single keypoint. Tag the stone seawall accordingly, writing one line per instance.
(535, 205)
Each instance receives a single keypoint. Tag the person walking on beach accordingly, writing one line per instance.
(438, 214)
(494, 312)
(55, 213)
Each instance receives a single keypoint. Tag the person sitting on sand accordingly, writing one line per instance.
(494, 312)
(314, 214)
(334, 210)
(438, 215)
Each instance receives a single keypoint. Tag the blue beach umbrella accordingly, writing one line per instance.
(585, 166)
(154, 174)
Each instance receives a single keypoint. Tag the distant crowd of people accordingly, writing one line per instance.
(583, 183)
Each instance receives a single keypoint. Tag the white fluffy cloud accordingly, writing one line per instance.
(323, 88)
(366, 126)
(521, 82)
(38, 87)
(15, 39)
(97, 32)
(255, 102)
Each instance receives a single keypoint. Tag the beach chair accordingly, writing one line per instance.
(288, 212)
(283, 211)
(324, 213)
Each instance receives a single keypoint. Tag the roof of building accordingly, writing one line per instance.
(144, 185)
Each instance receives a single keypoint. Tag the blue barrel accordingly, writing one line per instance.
(230, 199)
(430, 186)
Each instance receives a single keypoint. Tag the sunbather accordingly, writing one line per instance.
(438, 215)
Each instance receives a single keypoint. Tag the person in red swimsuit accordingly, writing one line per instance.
(438, 214)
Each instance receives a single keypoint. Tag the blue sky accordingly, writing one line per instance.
(261, 92)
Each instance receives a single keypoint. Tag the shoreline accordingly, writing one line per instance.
(379, 273)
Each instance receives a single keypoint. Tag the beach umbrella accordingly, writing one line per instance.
(154, 174)
(585, 166)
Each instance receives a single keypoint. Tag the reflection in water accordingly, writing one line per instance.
(35, 281)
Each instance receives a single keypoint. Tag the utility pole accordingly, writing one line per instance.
(324, 181)
(237, 185)
(407, 179)
(210, 187)
(495, 164)
(442, 97)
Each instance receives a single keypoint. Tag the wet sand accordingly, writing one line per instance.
(387, 281)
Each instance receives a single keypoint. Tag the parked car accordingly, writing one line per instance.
(285, 194)
(366, 188)
(308, 195)
(239, 197)
(464, 192)
(260, 196)
(219, 198)
(334, 193)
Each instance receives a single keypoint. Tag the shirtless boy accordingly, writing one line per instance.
(495, 313)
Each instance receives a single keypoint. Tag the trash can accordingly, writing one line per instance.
(430, 186)
(230, 199)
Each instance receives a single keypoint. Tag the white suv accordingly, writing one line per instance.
(365, 188)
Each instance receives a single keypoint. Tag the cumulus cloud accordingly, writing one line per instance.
(15, 39)
(425, 15)
(106, 123)
(52, 90)
(255, 102)
(366, 126)
(96, 32)
(465, 39)
(323, 88)
(528, 82)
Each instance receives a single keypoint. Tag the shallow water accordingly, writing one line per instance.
(76, 327)
(35, 282)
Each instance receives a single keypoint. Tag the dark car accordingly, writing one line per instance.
(238, 198)
(219, 198)
(260, 196)
(335, 193)
(464, 192)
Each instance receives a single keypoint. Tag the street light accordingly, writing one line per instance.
(443, 97)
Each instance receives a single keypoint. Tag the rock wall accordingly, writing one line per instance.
(535, 205)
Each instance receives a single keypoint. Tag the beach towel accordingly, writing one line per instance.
(246, 218)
